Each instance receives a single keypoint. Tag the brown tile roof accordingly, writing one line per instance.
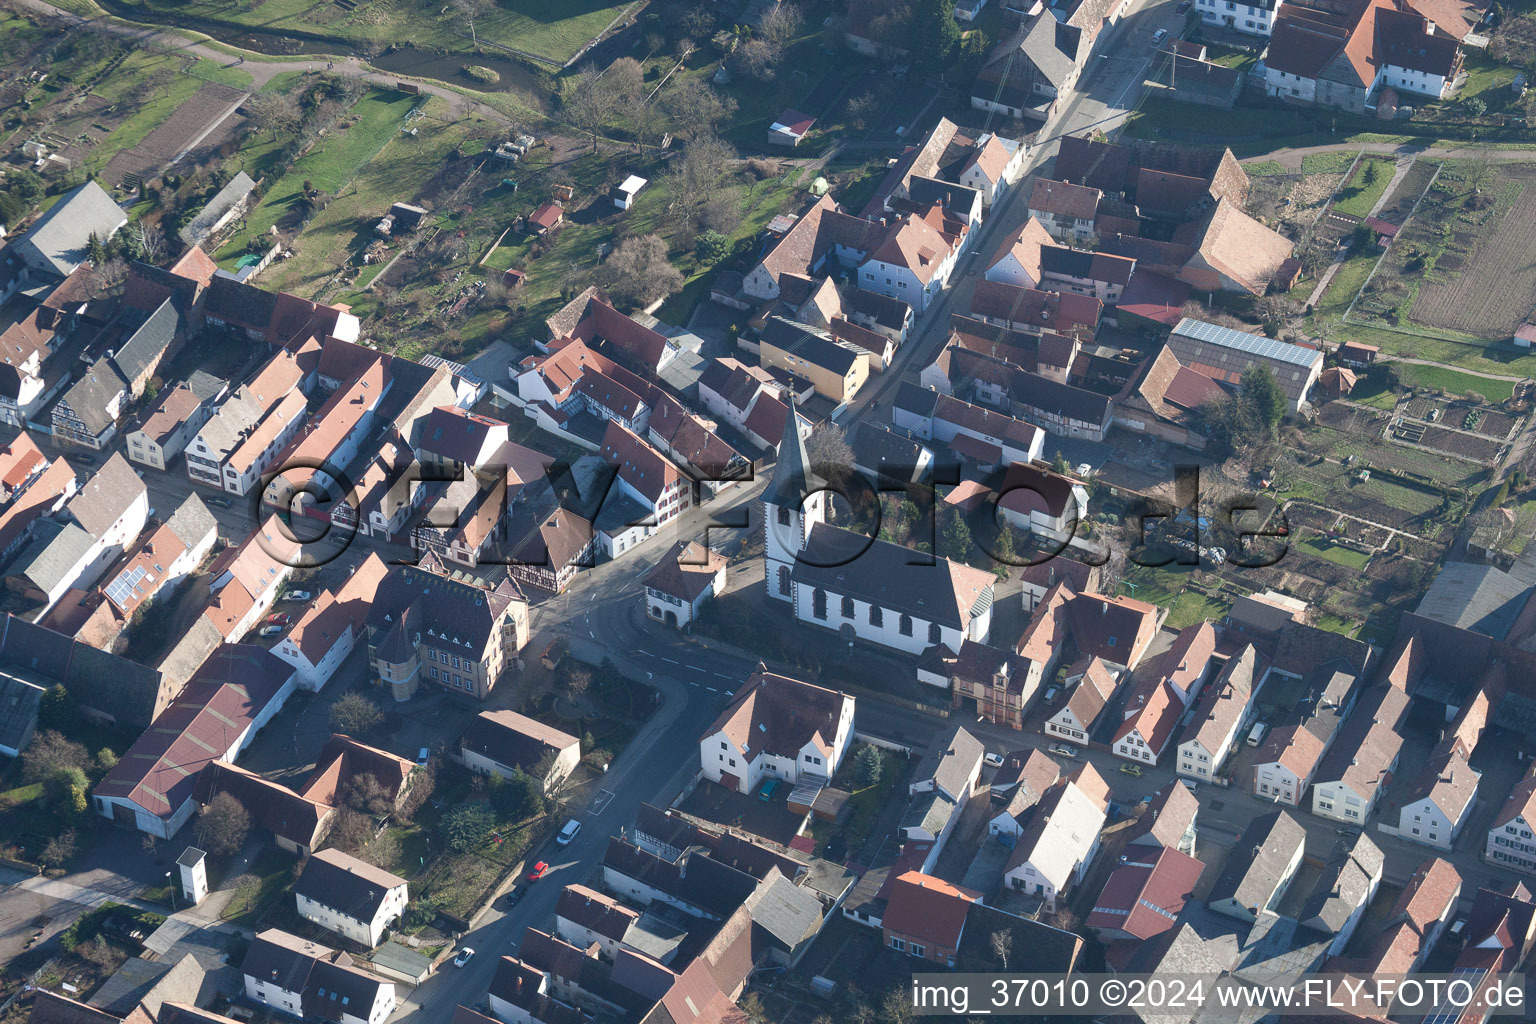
(275, 420)
(39, 498)
(1145, 897)
(928, 909)
(220, 701)
(1225, 700)
(1043, 635)
(1152, 710)
(173, 408)
(1091, 694)
(344, 758)
(1101, 165)
(639, 464)
(19, 460)
(685, 571)
(1167, 817)
(1117, 629)
(1166, 193)
(513, 739)
(1293, 748)
(1447, 781)
(780, 715)
(1025, 247)
(1239, 248)
(590, 909)
(272, 806)
(917, 244)
(1063, 199)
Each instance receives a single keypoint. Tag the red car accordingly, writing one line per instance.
(280, 619)
(539, 871)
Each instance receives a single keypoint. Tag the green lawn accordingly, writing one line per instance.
(1326, 163)
(1319, 548)
(274, 869)
(1455, 382)
(1262, 168)
(1371, 389)
(1484, 74)
(151, 87)
(373, 123)
(1367, 185)
(214, 71)
(1194, 606)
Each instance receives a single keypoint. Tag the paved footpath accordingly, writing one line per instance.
(260, 69)
(1291, 158)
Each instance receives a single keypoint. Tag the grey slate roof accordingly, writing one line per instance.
(1476, 597)
(882, 452)
(793, 480)
(785, 911)
(88, 396)
(951, 760)
(146, 346)
(19, 700)
(57, 243)
(53, 555)
(98, 679)
(198, 227)
(1040, 46)
(930, 811)
(1260, 855)
(1344, 885)
(206, 386)
(192, 521)
(349, 886)
(107, 494)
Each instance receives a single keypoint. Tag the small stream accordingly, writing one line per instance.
(515, 77)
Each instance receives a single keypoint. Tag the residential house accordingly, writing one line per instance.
(1414, 924)
(242, 438)
(313, 459)
(112, 508)
(1028, 71)
(1437, 807)
(585, 917)
(1346, 887)
(777, 727)
(520, 994)
(989, 439)
(1065, 210)
(1029, 310)
(1509, 836)
(1356, 771)
(1271, 847)
(886, 457)
(914, 259)
(1224, 710)
(1057, 847)
(325, 634)
(429, 628)
(836, 370)
(236, 691)
(1144, 896)
(1152, 712)
(647, 477)
(1040, 501)
(1079, 713)
(55, 561)
(59, 241)
(350, 897)
(1500, 931)
(307, 980)
(1167, 821)
(925, 917)
(174, 420)
(499, 742)
(1004, 688)
(1164, 400)
(1017, 260)
(1117, 630)
(86, 414)
(942, 786)
(1254, 19)
(1018, 785)
(682, 582)
(1223, 354)
(880, 313)
(556, 546)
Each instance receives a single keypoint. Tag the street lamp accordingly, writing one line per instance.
(172, 886)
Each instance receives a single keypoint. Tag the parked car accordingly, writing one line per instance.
(85, 459)
(1051, 694)
(1159, 36)
(297, 595)
(218, 501)
(269, 630)
(769, 788)
(1130, 769)
(465, 955)
(280, 619)
(568, 832)
(513, 897)
(539, 871)
(1191, 785)
(1063, 749)
(423, 755)
(1184, 5)
(995, 760)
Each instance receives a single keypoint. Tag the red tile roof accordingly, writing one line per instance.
(928, 910)
(1145, 897)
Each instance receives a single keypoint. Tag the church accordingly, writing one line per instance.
(863, 588)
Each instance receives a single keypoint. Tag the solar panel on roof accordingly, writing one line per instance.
(1254, 344)
(120, 589)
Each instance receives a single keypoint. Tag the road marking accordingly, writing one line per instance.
(722, 675)
(669, 661)
(711, 689)
(602, 800)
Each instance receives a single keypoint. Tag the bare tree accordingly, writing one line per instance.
(695, 109)
(779, 24)
(639, 272)
(698, 177)
(59, 849)
(223, 824)
(1002, 945)
(830, 453)
(273, 113)
(147, 242)
(759, 57)
(600, 98)
(469, 10)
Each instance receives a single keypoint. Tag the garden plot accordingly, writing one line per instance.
(206, 119)
(1292, 200)
(1464, 445)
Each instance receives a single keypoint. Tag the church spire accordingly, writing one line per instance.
(793, 479)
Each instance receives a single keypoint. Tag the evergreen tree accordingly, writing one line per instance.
(868, 766)
(935, 36)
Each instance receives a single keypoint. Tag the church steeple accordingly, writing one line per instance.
(793, 479)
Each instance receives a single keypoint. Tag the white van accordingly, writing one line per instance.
(1256, 734)
(568, 832)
